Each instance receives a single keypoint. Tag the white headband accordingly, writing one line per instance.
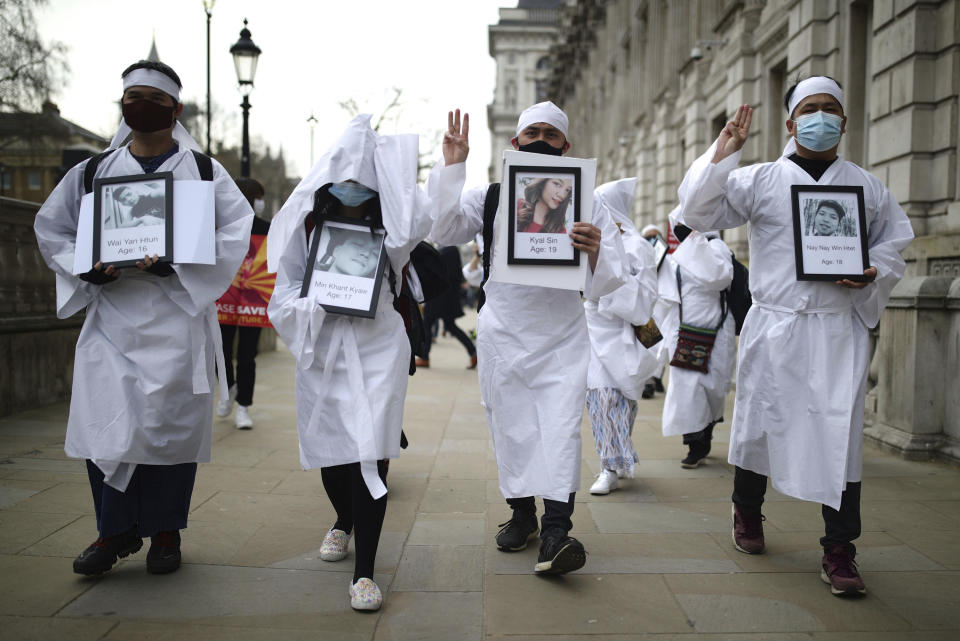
(655, 228)
(543, 112)
(151, 78)
(812, 86)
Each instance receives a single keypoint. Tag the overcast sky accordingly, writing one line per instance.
(316, 53)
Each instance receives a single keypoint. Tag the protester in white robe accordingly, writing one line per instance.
(352, 371)
(802, 372)
(533, 353)
(619, 364)
(694, 401)
(142, 403)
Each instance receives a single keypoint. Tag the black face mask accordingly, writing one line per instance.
(541, 147)
(147, 116)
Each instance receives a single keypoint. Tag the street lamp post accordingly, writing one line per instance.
(245, 55)
(312, 121)
(208, 9)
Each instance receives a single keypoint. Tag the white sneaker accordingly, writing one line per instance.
(606, 481)
(244, 422)
(225, 405)
(334, 546)
(365, 595)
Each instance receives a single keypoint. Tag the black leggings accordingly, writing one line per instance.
(357, 509)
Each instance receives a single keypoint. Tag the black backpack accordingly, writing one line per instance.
(490, 204)
(204, 164)
(739, 299)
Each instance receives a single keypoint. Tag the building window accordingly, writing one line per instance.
(540, 88)
(543, 63)
(34, 180)
(6, 180)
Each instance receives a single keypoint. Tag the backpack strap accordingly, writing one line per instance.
(490, 204)
(90, 170)
(204, 164)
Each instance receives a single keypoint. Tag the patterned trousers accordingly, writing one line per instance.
(611, 417)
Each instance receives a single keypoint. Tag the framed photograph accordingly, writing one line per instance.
(660, 249)
(543, 204)
(133, 218)
(830, 232)
(345, 267)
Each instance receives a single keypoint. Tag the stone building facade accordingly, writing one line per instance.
(520, 43)
(648, 84)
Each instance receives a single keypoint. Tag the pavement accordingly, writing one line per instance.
(660, 565)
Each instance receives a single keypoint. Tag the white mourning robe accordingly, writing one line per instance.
(143, 376)
(352, 372)
(695, 399)
(803, 360)
(617, 358)
(533, 353)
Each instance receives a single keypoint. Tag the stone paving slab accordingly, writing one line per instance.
(660, 564)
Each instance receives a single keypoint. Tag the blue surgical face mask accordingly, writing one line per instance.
(351, 194)
(818, 131)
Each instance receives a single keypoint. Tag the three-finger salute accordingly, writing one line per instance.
(456, 139)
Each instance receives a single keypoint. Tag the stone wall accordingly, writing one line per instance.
(645, 105)
(915, 406)
(36, 349)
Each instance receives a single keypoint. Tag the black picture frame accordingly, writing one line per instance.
(327, 284)
(660, 250)
(822, 254)
(547, 243)
(116, 222)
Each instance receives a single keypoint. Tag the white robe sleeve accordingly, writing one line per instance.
(713, 196)
(708, 260)
(56, 228)
(297, 320)
(612, 265)
(887, 237)
(634, 300)
(458, 225)
(204, 284)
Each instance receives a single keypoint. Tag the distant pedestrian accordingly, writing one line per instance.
(692, 281)
(619, 363)
(448, 307)
(141, 411)
(242, 312)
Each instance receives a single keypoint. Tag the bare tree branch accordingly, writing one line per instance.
(30, 69)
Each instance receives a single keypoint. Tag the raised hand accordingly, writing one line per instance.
(734, 134)
(456, 139)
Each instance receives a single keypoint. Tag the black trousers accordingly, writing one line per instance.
(357, 511)
(841, 527)
(247, 341)
(449, 325)
(157, 499)
(705, 435)
(556, 514)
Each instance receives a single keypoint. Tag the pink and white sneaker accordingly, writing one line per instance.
(334, 546)
(365, 595)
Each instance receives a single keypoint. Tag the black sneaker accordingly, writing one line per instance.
(647, 391)
(658, 384)
(164, 554)
(698, 451)
(515, 533)
(102, 554)
(560, 554)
